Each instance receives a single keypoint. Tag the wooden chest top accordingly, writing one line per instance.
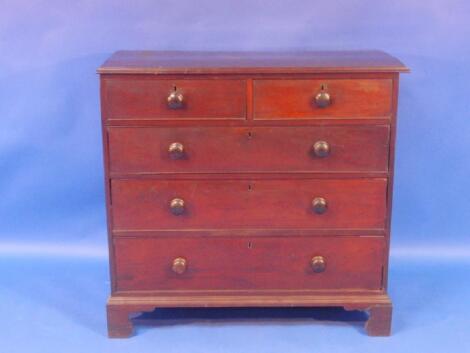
(181, 62)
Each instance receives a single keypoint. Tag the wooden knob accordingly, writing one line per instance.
(177, 206)
(176, 150)
(318, 264)
(179, 265)
(322, 98)
(321, 149)
(175, 99)
(319, 205)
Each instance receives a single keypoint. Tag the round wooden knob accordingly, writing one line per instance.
(179, 265)
(319, 205)
(321, 149)
(322, 99)
(176, 150)
(177, 206)
(318, 264)
(175, 99)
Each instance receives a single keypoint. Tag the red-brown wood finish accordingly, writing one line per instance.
(303, 62)
(249, 149)
(248, 176)
(294, 99)
(221, 204)
(241, 263)
(147, 98)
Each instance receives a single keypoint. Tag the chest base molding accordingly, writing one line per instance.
(376, 303)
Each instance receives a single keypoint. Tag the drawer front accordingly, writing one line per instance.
(145, 97)
(348, 98)
(248, 263)
(255, 149)
(145, 204)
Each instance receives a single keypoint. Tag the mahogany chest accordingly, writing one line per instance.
(249, 179)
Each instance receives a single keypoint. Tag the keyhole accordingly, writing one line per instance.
(250, 135)
(250, 187)
(249, 245)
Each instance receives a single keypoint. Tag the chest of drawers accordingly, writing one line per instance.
(249, 179)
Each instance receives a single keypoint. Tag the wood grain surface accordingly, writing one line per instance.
(220, 204)
(248, 149)
(294, 99)
(143, 97)
(248, 176)
(249, 263)
(194, 62)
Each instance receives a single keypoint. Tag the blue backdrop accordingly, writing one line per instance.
(51, 187)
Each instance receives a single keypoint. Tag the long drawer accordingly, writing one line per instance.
(253, 149)
(248, 263)
(147, 204)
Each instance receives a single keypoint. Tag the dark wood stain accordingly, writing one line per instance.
(270, 149)
(244, 175)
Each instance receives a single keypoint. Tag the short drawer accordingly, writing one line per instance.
(146, 204)
(328, 98)
(145, 97)
(238, 263)
(254, 149)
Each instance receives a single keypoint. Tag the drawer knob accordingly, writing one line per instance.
(175, 99)
(179, 265)
(323, 98)
(177, 206)
(176, 150)
(321, 149)
(318, 264)
(319, 205)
